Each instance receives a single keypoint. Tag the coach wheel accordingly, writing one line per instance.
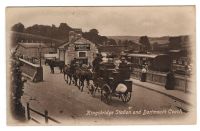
(126, 97)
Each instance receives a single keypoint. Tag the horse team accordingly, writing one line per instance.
(75, 74)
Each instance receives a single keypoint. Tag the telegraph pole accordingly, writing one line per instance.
(40, 53)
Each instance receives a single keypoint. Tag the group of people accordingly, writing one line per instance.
(98, 61)
(122, 66)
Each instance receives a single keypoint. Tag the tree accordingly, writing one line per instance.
(60, 32)
(63, 31)
(102, 39)
(93, 36)
(94, 32)
(175, 43)
(18, 27)
(125, 42)
(112, 42)
(144, 40)
(155, 46)
(64, 27)
(119, 42)
(17, 84)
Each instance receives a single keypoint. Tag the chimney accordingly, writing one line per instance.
(71, 36)
(79, 36)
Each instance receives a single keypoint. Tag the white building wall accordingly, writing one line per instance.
(70, 52)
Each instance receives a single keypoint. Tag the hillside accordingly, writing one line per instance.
(159, 40)
(60, 33)
(18, 37)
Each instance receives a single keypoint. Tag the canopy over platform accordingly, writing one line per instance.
(146, 55)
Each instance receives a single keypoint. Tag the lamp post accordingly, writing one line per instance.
(40, 70)
(40, 51)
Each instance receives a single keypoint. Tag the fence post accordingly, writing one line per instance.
(28, 111)
(46, 116)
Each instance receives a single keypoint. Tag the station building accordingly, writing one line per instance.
(77, 47)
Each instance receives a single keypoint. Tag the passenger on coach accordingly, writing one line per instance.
(124, 68)
(123, 63)
(96, 62)
(73, 62)
(72, 65)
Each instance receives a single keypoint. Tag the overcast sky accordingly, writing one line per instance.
(134, 21)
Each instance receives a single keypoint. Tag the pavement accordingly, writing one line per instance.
(185, 98)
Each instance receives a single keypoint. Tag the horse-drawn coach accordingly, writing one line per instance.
(106, 79)
(112, 82)
(78, 55)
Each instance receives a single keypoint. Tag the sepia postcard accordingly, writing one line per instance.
(101, 65)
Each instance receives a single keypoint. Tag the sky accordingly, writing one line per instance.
(111, 21)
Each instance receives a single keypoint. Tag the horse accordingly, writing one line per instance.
(47, 61)
(82, 74)
(67, 71)
(55, 63)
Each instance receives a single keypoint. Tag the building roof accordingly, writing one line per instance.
(65, 45)
(145, 55)
(78, 30)
(78, 41)
(33, 45)
(174, 51)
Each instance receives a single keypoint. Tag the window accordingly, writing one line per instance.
(82, 54)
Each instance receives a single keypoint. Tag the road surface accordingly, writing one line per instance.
(66, 103)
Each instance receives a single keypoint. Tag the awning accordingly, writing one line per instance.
(174, 51)
(145, 55)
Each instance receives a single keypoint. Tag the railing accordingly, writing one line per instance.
(45, 115)
(32, 71)
(181, 82)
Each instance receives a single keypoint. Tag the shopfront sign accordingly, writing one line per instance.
(82, 47)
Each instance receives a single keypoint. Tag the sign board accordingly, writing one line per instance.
(51, 55)
(82, 47)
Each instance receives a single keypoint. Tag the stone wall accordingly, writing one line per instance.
(182, 83)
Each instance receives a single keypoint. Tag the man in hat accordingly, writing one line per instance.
(73, 64)
(124, 68)
(96, 62)
(123, 63)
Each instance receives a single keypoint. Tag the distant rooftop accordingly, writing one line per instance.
(77, 30)
(145, 55)
(33, 45)
(77, 41)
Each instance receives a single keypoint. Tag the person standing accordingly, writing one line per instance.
(170, 81)
(144, 74)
